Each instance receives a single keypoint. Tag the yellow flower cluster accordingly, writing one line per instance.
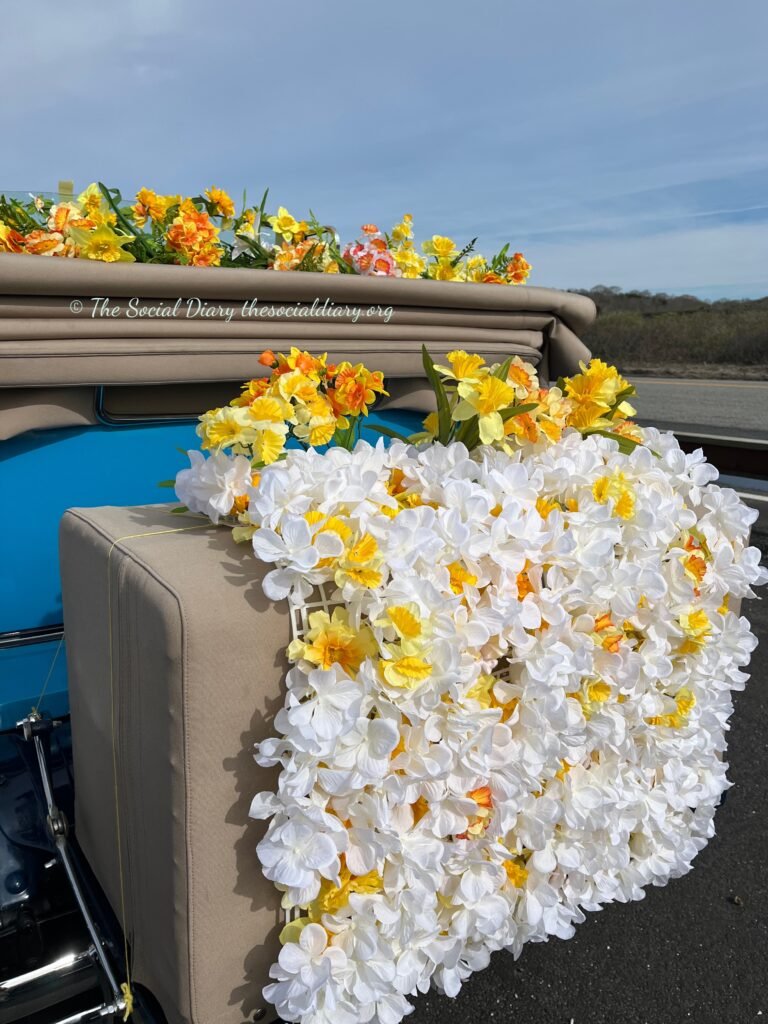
(85, 227)
(171, 228)
(304, 397)
(505, 405)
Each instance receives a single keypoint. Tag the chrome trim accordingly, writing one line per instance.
(107, 419)
(36, 635)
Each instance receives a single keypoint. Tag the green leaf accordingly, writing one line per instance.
(464, 252)
(518, 410)
(502, 371)
(444, 422)
(626, 444)
(387, 432)
(179, 511)
(167, 483)
(469, 433)
(344, 438)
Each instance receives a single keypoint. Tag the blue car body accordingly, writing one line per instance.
(44, 472)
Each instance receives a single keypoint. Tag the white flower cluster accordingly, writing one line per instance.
(512, 712)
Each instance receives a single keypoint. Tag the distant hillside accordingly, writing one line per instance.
(679, 334)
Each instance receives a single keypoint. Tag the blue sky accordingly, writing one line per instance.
(614, 142)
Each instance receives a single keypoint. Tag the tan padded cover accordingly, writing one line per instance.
(197, 668)
(44, 343)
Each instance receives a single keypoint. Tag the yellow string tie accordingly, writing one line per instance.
(125, 988)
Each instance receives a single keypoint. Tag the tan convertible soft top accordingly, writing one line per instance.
(68, 323)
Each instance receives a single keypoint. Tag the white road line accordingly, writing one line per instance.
(679, 428)
(695, 383)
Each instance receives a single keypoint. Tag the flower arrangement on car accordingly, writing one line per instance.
(512, 662)
(207, 231)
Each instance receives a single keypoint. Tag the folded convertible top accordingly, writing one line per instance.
(80, 324)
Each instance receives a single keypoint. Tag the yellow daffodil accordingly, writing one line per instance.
(285, 225)
(267, 416)
(475, 269)
(360, 564)
(316, 421)
(403, 232)
(411, 264)
(517, 875)
(296, 385)
(685, 702)
(617, 489)
(444, 270)
(102, 244)
(407, 672)
(92, 202)
(405, 619)
(333, 898)
(226, 427)
(441, 247)
(697, 628)
(330, 640)
(246, 225)
(324, 523)
(593, 393)
(485, 399)
(482, 690)
(269, 444)
(460, 576)
(463, 366)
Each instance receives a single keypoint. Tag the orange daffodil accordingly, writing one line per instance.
(497, 648)
(304, 397)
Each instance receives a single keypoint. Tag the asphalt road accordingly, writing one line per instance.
(727, 406)
(694, 951)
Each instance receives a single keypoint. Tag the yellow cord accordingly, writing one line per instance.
(125, 988)
(36, 708)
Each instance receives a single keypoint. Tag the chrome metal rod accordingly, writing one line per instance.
(63, 850)
(59, 831)
(95, 1013)
(42, 763)
(61, 968)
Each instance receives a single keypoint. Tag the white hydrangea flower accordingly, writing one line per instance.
(521, 715)
(211, 484)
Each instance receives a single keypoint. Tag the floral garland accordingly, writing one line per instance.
(98, 225)
(511, 676)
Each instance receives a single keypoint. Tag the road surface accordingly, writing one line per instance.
(739, 408)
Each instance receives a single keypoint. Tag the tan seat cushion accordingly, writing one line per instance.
(197, 666)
